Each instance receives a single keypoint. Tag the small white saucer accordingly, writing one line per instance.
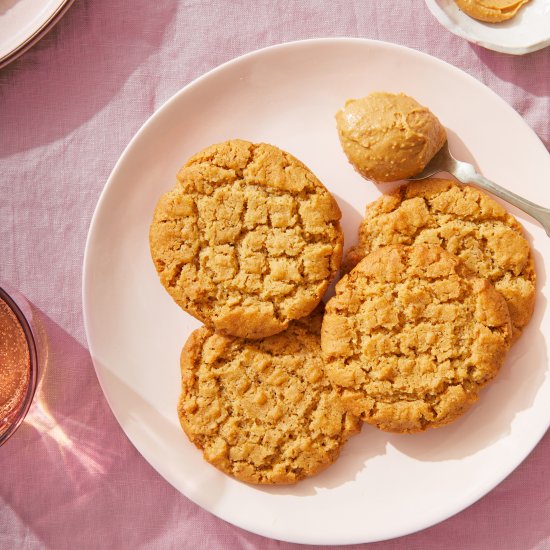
(527, 32)
(25, 22)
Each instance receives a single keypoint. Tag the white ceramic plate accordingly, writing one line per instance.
(527, 32)
(383, 485)
(24, 22)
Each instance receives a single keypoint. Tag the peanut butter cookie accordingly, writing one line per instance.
(248, 240)
(262, 411)
(464, 221)
(409, 340)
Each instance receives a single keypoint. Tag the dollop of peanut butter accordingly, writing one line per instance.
(389, 137)
(491, 11)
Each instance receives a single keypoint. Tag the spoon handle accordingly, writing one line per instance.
(466, 173)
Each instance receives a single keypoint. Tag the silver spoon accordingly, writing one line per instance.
(466, 173)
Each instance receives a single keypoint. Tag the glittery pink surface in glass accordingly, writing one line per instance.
(17, 366)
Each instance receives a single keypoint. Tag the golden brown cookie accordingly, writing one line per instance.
(248, 240)
(409, 340)
(388, 137)
(466, 222)
(491, 11)
(262, 411)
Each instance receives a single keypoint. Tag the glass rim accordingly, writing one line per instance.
(23, 408)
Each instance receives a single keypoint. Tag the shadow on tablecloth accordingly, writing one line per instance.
(74, 476)
(92, 52)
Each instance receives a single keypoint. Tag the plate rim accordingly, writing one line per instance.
(440, 14)
(37, 35)
(272, 533)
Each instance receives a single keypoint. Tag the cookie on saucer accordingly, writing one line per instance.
(411, 337)
(262, 411)
(248, 239)
(464, 221)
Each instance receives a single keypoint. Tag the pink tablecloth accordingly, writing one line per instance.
(70, 478)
